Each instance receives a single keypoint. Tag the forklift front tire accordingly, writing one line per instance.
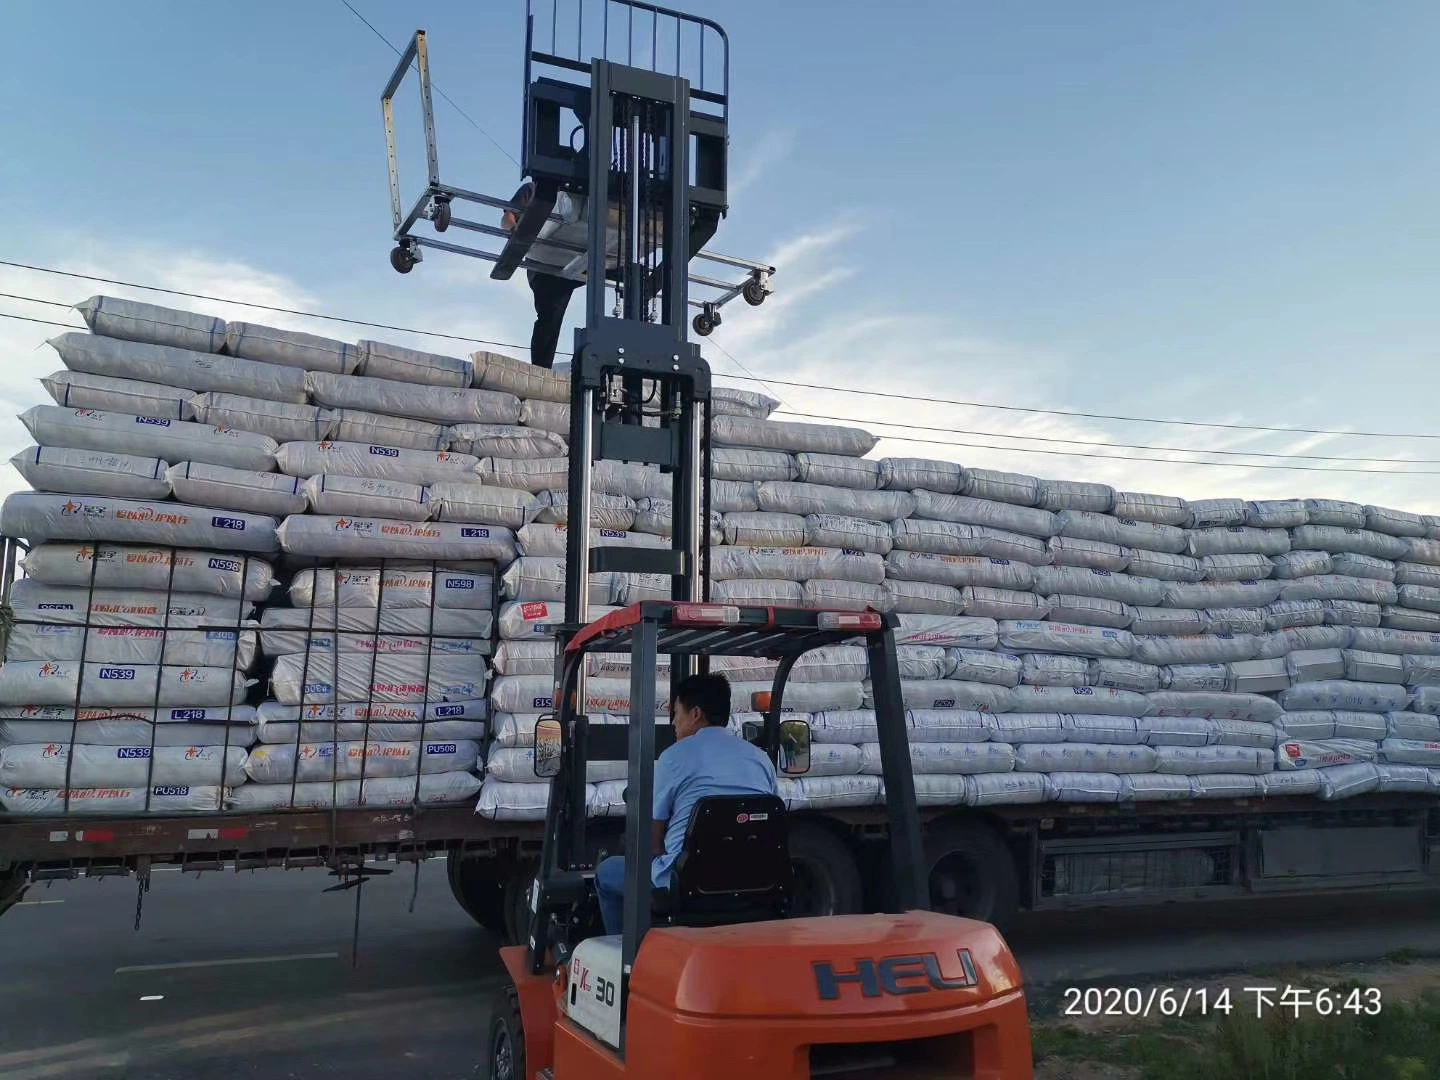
(506, 1044)
(402, 259)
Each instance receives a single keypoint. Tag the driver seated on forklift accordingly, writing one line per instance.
(551, 292)
(705, 760)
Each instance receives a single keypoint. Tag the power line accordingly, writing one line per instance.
(43, 322)
(747, 371)
(396, 50)
(1104, 443)
(1090, 415)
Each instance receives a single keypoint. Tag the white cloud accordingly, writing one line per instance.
(772, 148)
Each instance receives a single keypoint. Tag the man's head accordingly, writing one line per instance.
(698, 702)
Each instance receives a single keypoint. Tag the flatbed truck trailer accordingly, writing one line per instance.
(989, 863)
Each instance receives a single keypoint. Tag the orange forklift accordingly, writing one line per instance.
(709, 978)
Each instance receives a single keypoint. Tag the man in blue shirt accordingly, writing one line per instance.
(705, 760)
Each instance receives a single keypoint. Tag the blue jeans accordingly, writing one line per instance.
(610, 888)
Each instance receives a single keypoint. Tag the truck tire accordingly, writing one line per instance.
(14, 881)
(971, 873)
(478, 887)
(827, 877)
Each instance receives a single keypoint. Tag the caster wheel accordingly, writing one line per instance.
(754, 293)
(402, 259)
(703, 325)
(440, 215)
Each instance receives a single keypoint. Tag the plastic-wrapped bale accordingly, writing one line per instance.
(138, 567)
(966, 510)
(525, 657)
(290, 348)
(1337, 512)
(1194, 649)
(1420, 670)
(78, 390)
(1363, 566)
(358, 426)
(754, 466)
(977, 600)
(1238, 539)
(34, 601)
(1283, 784)
(1176, 730)
(1366, 726)
(148, 436)
(1043, 669)
(979, 665)
(94, 472)
(1382, 519)
(375, 462)
(1084, 757)
(928, 758)
(1210, 678)
(327, 536)
(268, 493)
(1323, 753)
(340, 494)
(516, 764)
(829, 792)
(1412, 778)
(1373, 667)
(1090, 611)
(832, 469)
(1276, 513)
(383, 361)
(1120, 674)
(922, 598)
(1199, 760)
(1216, 513)
(542, 577)
(1343, 694)
(1401, 618)
(1091, 554)
(791, 437)
(1246, 733)
(1410, 725)
(777, 496)
(763, 591)
(954, 694)
(280, 764)
(387, 713)
(1096, 700)
(606, 511)
(1083, 787)
(844, 727)
(39, 517)
(517, 802)
(201, 372)
(46, 766)
(1116, 730)
(1410, 751)
(278, 420)
(550, 540)
(551, 416)
(1158, 509)
(1152, 621)
(851, 533)
(1348, 781)
(1226, 786)
(1339, 587)
(422, 675)
(1257, 677)
(134, 645)
(937, 537)
(54, 682)
(134, 320)
(458, 500)
(947, 630)
(1230, 706)
(1164, 566)
(1006, 487)
(504, 441)
(1027, 727)
(1351, 613)
(1222, 594)
(1155, 787)
(1074, 495)
(1004, 789)
(120, 730)
(928, 662)
(1031, 635)
(1426, 552)
(1296, 638)
(949, 726)
(796, 564)
(912, 474)
(1077, 581)
(432, 789)
(957, 571)
(845, 595)
(1418, 597)
(435, 404)
(1292, 614)
(1299, 564)
(658, 516)
(1086, 525)
(732, 401)
(1333, 538)
(1393, 641)
(1000, 544)
(1236, 620)
(1236, 567)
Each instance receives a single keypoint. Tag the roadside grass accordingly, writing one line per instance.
(1401, 1043)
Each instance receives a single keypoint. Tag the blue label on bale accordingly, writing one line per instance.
(228, 523)
(475, 534)
(124, 674)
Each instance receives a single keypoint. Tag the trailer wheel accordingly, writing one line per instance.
(478, 887)
(14, 881)
(827, 877)
(971, 872)
(506, 1045)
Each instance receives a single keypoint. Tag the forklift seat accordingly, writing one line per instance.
(734, 868)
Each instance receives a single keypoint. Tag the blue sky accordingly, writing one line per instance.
(1217, 212)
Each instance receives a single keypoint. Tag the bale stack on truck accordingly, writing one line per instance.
(291, 601)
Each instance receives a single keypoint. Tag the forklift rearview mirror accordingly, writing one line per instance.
(794, 758)
(547, 747)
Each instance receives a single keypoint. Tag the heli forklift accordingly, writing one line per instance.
(708, 978)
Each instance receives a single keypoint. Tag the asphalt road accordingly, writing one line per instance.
(252, 976)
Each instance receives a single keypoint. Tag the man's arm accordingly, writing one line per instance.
(521, 198)
(657, 836)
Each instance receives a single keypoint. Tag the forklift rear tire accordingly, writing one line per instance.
(827, 877)
(506, 1045)
(972, 873)
(478, 887)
